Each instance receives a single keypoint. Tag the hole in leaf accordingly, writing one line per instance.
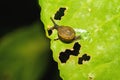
(80, 60)
(49, 32)
(77, 46)
(76, 49)
(67, 51)
(59, 13)
(84, 57)
(64, 57)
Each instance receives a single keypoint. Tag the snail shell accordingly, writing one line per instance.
(65, 33)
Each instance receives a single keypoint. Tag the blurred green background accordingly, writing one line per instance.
(24, 48)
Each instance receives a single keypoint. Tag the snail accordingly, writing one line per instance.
(65, 33)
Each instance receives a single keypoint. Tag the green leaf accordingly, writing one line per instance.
(98, 22)
(24, 54)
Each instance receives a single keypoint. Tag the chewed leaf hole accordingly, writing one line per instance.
(77, 46)
(76, 49)
(84, 57)
(59, 13)
(64, 56)
(49, 32)
(80, 60)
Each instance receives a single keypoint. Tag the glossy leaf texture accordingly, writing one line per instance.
(98, 24)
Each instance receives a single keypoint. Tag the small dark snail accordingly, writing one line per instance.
(65, 33)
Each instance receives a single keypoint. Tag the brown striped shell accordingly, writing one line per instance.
(65, 33)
